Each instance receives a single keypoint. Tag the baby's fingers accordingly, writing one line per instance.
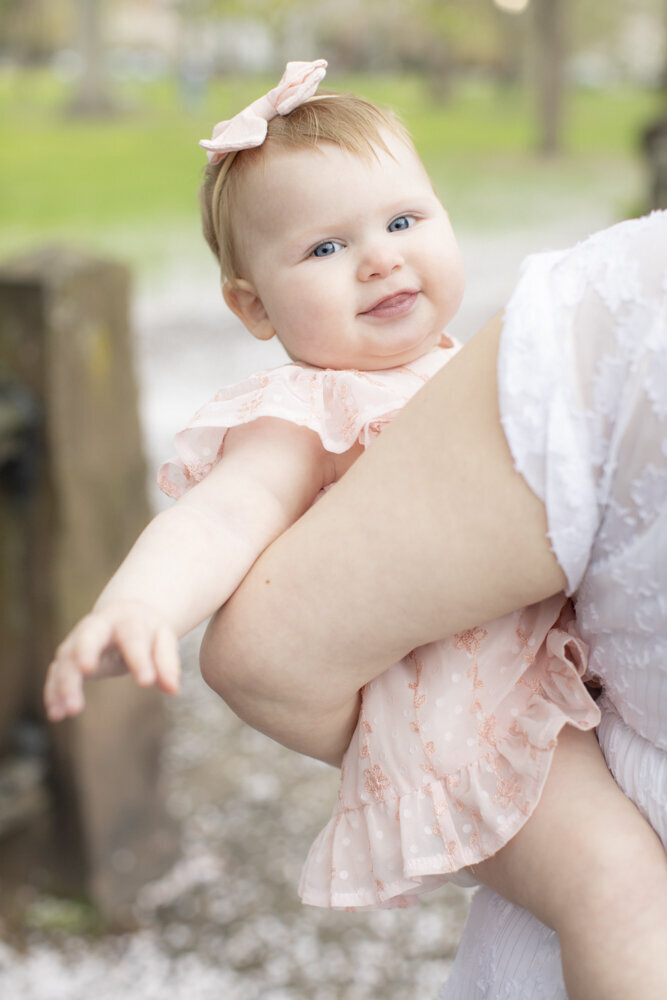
(63, 690)
(134, 640)
(115, 639)
(167, 659)
(63, 693)
(77, 656)
(87, 645)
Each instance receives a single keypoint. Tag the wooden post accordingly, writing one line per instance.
(654, 143)
(18, 430)
(64, 338)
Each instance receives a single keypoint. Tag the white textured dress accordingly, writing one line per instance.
(583, 398)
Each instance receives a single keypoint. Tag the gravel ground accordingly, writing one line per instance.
(226, 923)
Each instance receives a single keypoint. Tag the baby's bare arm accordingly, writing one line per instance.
(588, 865)
(189, 559)
(192, 556)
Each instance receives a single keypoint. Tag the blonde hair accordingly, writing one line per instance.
(350, 122)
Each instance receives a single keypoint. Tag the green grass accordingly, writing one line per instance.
(139, 170)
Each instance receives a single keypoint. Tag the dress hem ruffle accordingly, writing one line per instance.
(377, 847)
(420, 874)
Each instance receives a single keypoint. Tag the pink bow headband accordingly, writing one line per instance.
(248, 128)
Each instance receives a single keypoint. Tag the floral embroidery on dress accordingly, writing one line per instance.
(376, 782)
(432, 789)
(486, 731)
(470, 640)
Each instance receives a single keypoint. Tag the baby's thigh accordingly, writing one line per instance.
(505, 952)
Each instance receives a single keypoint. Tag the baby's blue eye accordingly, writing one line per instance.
(402, 222)
(327, 249)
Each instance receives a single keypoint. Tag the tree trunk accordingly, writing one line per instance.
(549, 19)
(92, 96)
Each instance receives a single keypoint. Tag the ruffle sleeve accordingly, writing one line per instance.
(342, 407)
(449, 758)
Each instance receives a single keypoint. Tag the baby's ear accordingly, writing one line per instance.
(244, 302)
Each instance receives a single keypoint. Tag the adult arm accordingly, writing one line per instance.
(405, 549)
(434, 531)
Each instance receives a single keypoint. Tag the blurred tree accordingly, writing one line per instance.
(591, 40)
(271, 9)
(276, 16)
(513, 32)
(31, 29)
(591, 21)
(271, 12)
(437, 38)
(549, 20)
(663, 74)
(603, 29)
(92, 95)
(458, 34)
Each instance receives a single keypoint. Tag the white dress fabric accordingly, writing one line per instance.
(583, 397)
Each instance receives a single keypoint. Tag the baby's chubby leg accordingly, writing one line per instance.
(253, 693)
(588, 865)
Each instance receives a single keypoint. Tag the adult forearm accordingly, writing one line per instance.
(430, 532)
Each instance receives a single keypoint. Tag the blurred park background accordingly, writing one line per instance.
(530, 117)
(539, 122)
(522, 111)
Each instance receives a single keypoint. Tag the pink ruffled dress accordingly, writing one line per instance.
(454, 742)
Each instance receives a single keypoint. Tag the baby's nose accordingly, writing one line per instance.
(378, 261)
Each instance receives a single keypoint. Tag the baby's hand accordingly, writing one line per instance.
(120, 637)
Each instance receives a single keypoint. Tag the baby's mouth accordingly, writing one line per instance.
(392, 305)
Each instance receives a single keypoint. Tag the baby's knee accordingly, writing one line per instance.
(222, 671)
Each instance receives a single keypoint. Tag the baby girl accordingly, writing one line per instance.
(330, 237)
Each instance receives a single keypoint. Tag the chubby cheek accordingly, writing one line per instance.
(448, 282)
(314, 308)
(311, 308)
(458, 284)
(305, 329)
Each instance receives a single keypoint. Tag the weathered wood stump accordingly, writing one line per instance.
(64, 342)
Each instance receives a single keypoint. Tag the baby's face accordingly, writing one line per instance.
(354, 260)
